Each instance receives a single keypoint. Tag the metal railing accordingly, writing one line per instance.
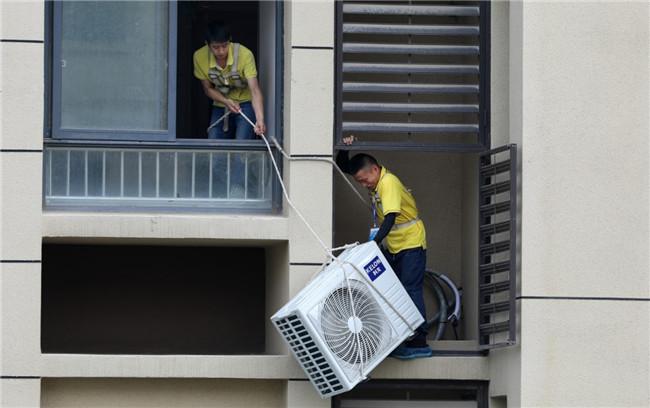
(156, 177)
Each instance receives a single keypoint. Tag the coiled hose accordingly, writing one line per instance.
(449, 310)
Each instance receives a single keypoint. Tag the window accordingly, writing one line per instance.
(113, 70)
(413, 76)
(128, 120)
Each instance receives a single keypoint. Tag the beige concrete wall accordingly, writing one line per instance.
(21, 132)
(506, 102)
(585, 118)
(596, 354)
(20, 392)
(301, 394)
(585, 77)
(309, 112)
(160, 393)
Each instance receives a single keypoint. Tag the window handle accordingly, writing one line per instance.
(63, 63)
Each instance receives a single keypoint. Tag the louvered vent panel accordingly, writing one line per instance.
(413, 74)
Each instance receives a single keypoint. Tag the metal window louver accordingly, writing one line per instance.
(413, 75)
(497, 212)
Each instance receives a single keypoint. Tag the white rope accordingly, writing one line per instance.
(306, 158)
(286, 194)
(321, 159)
(216, 122)
(328, 251)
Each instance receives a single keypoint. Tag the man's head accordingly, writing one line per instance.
(217, 37)
(365, 170)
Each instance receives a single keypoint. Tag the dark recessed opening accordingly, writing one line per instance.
(152, 300)
(193, 107)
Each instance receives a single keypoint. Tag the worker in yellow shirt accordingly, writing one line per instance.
(229, 77)
(401, 229)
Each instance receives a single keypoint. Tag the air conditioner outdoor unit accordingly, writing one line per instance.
(347, 319)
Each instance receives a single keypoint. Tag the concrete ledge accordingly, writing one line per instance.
(172, 366)
(259, 367)
(434, 368)
(189, 229)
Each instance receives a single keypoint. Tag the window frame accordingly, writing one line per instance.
(142, 135)
(52, 136)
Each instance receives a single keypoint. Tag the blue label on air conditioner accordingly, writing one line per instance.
(374, 268)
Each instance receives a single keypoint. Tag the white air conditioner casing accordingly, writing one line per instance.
(326, 338)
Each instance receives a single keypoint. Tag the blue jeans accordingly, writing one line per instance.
(238, 128)
(409, 266)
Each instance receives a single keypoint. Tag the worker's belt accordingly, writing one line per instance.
(405, 224)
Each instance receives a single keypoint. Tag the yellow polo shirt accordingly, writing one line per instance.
(392, 197)
(204, 60)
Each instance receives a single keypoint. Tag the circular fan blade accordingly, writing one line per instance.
(353, 338)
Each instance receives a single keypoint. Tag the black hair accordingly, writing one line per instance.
(217, 32)
(360, 161)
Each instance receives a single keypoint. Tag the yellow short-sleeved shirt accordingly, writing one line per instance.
(204, 60)
(392, 197)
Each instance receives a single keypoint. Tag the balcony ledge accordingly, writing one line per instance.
(177, 229)
(248, 366)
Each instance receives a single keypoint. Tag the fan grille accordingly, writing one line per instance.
(354, 339)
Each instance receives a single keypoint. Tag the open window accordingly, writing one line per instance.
(127, 121)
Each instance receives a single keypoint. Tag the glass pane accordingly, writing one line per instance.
(219, 175)
(268, 177)
(113, 174)
(237, 175)
(148, 174)
(77, 173)
(254, 174)
(166, 174)
(184, 179)
(201, 175)
(95, 175)
(59, 175)
(131, 174)
(114, 65)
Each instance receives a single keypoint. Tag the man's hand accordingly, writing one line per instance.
(348, 140)
(260, 127)
(232, 106)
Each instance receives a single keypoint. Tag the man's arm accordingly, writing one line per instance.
(386, 226)
(343, 161)
(343, 156)
(212, 93)
(258, 105)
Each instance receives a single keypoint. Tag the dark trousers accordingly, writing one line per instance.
(409, 266)
(238, 129)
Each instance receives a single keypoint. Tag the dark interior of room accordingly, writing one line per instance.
(152, 300)
(192, 106)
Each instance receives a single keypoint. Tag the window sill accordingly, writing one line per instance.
(247, 366)
(174, 366)
(178, 144)
(172, 228)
